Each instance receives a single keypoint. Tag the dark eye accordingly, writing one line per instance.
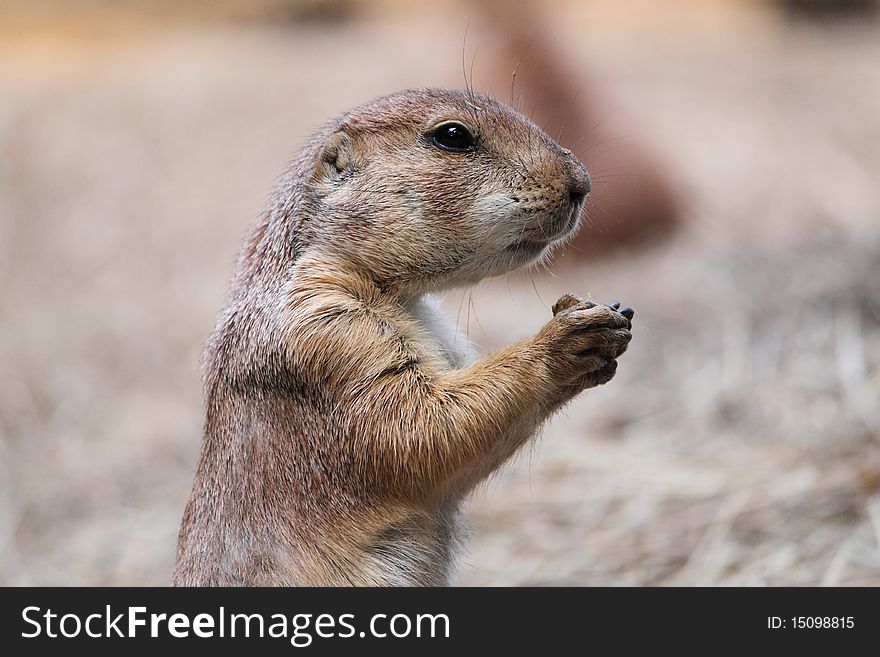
(452, 136)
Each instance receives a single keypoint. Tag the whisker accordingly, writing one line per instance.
(457, 318)
(476, 317)
(605, 199)
(567, 115)
(467, 327)
(597, 207)
(593, 128)
(513, 78)
(609, 140)
(537, 294)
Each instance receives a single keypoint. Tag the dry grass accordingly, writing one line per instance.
(739, 443)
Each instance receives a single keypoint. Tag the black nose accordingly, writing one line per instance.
(579, 188)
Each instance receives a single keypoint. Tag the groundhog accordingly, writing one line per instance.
(344, 424)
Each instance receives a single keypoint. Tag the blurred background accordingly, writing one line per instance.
(736, 150)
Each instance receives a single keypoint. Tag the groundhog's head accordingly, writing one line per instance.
(430, 188)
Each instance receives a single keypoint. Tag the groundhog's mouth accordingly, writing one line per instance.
(534, 245)
(529, 247)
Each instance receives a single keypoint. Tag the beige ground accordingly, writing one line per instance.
(740, 443)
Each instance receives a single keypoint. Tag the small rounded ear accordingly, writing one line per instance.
(336, 161)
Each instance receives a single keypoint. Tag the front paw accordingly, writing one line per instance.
(584, 340)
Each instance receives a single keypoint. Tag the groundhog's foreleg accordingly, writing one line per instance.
(453, 428)
(575, 350)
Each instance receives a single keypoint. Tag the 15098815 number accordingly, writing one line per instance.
(822, 622)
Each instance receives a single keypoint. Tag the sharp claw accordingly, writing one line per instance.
(628, 312)
(615, 305)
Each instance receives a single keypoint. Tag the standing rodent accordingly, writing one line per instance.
(343, 427)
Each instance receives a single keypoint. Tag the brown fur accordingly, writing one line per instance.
(341, 434)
